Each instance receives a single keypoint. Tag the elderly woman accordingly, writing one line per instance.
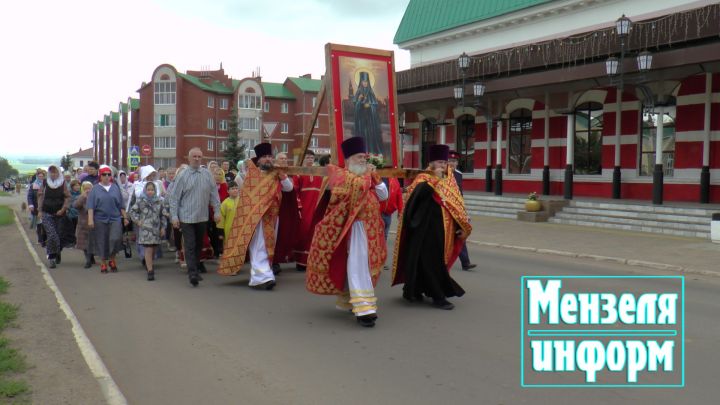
(82, 231)
(32, 200)
(105, 215)
(53, 203)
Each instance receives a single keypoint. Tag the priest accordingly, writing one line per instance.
(256, 219)
(348, 247)
(431, 233)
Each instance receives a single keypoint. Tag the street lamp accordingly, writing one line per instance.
(644, 61)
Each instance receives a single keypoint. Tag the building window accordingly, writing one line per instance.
(588, 138)
(165, 120)
(314, 101)
(81, 164)
(284, 127)
(164, 93)
(164, 162)
(164, 142)
(266, 106)
(210, 123)
(223, 125)
(428, 139)
(284, 108)
(250, 124)
(314, 142)
(211, 145)
(224, 104)
(249, 101)
(465, 135)
(649, 136)
(520, 141)
(223, 146)
(211, 101)
(249, 143)
(317, 123)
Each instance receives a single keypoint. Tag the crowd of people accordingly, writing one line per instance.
(332, 227)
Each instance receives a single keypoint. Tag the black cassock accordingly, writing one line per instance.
(422, 254)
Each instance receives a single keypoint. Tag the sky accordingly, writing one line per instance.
(65, 64)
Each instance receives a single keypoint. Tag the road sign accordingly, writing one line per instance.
(134, 161)
(134, 151)
(146, 150)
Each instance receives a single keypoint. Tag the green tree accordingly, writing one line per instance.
(234, 152)
(6, 169)
(66, 162)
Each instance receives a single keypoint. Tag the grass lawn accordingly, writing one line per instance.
(12, 363)
(4, 194)
(6, 215)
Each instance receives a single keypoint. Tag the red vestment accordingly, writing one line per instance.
(288, 224)
(308, 192)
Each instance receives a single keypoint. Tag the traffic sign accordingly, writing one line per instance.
(146, 150)
(134, 151)
(134, 161)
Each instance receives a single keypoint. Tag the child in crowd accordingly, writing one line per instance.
(227, 210)
(150, 216)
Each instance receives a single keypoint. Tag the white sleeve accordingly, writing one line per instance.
(287, 184)
(381, 191)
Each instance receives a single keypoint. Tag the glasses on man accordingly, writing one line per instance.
(106, 174)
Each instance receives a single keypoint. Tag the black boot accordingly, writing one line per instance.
(88, 261)
(58, 258)
(151, 275)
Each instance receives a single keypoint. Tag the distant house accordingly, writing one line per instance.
(82, 157)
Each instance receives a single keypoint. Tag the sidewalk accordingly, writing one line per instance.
(687, 255)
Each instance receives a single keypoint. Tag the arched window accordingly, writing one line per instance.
(520, 140)
(588, 138)
(466, 142)
(647, 140)
(428, 139)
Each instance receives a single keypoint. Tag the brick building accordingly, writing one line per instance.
(550, 118)
(178, 111)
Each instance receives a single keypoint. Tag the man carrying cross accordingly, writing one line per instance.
(348, 247)
(256, 219)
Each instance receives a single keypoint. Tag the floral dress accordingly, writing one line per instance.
(149, 216)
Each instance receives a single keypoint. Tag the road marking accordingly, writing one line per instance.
(109, 388)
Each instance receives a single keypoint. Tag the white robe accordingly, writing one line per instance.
(260, 266)
(360, 294)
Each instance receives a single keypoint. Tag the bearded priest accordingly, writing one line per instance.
(348, 248)
(256, 220)
(431, 233)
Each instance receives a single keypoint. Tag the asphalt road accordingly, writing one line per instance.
(165, 342)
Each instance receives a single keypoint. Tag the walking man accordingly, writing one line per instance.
(452, 164)
(193, 192)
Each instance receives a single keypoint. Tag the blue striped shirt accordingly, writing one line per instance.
(193, 192)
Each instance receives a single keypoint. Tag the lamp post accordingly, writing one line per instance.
(614, 67)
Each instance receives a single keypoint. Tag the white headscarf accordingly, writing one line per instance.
(57, 182)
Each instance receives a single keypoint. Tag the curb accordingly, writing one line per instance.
(108, 386)
(619, 260)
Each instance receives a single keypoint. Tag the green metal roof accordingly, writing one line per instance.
(426, 17)
(106, 119)
(276, 90)
(215, 87)
(306, 85)
(123, 107)
(135, 103)
(115, 116)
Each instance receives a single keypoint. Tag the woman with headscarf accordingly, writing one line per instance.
(35, 218)
(126, 187)
(53, 203)
(83, 239)
(151, 217)
(147, 174)
(105, 215)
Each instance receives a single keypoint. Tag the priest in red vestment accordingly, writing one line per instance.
(308, 191)
(288, 222)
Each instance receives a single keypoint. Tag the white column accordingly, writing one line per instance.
(498, 150)
(659, 128)
(706, 128)
(546, 143)
(442, 134)
(570, 142)
(618, 126)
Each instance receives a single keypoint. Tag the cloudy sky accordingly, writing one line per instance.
(67, 63)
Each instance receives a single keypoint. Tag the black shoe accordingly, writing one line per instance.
(87, 265)
(299, 267)
(276, 269)
(194, 281)
(201, 268)
(58, 258)
(268, 285)
(92, 259)
(367, 321)
(469, 266)
(151, 276)
(51, 263)
(443, 304)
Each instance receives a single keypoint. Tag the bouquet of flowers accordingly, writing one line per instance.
(532, 196)
(376, 160)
